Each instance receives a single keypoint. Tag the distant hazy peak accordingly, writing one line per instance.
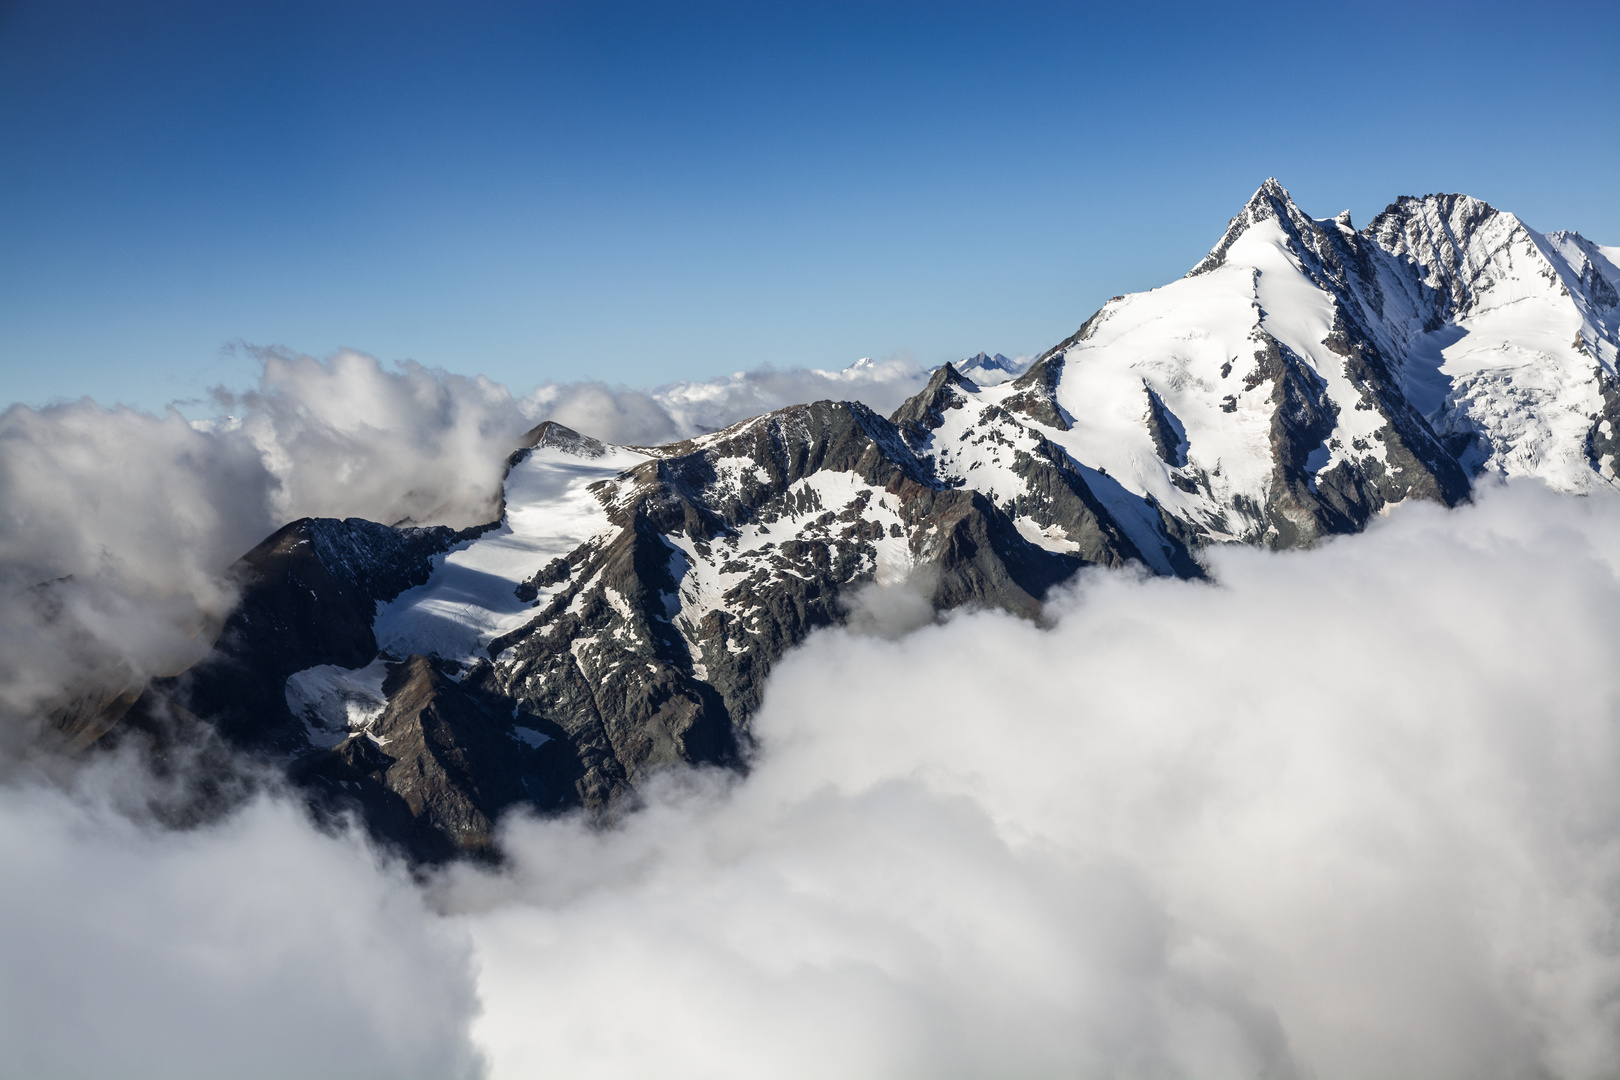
(989, 369)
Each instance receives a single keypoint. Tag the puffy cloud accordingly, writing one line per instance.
(893, 610)
(345, 438)
(114, 528)
(255, 947)
(1347, 812)
(1350, 812)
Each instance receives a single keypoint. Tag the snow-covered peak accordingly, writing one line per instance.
(988, 370)
(548, 434)
(1306, 374)
(1466, 251)
(1270, 202)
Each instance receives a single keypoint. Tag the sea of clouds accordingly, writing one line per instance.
(1349, 812)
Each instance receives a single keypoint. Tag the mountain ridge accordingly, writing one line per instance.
(623, 612)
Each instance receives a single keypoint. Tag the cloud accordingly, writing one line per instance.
(345, 438)
(1351, 812)
(256, 947)
(892, 610)
(114, 529)
(1348, 812)
(680, 410)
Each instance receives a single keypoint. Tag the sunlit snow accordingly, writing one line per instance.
(471, 598)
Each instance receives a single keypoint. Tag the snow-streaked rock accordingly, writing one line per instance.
(474, 596)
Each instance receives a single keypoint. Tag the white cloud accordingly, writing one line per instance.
(345, 438)
(680, 410)
(894, 610)
(1352, 812)
(139, 514)
(256, 947)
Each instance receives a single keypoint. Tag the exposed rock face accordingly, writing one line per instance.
(309, 595)
(1169, 434)
(1603, 437)
(441, 761)
(1036, 396)
(624, 612)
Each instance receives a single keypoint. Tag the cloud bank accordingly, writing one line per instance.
(1352, 812)
(1348, 812)
(256, 947)
(115, 528)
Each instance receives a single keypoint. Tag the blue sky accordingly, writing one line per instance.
(644, 192)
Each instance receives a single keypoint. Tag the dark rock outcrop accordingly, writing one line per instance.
(434, 771)
(309, 595)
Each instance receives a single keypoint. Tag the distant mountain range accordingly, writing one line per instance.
(987, 370)
(623, 612)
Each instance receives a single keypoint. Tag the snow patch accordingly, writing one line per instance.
(334, 702)
(471, 598)
(530, 737)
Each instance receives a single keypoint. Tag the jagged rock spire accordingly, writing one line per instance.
(1270, 200)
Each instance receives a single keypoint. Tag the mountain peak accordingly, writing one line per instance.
(1444, 216)
(1270, 200)
(549, 433)
(987, 369)
(1271, 189)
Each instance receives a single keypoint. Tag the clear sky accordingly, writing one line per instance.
(644, 192)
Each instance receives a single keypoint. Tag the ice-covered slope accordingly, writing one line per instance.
(474, 595)
(1506, 337)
